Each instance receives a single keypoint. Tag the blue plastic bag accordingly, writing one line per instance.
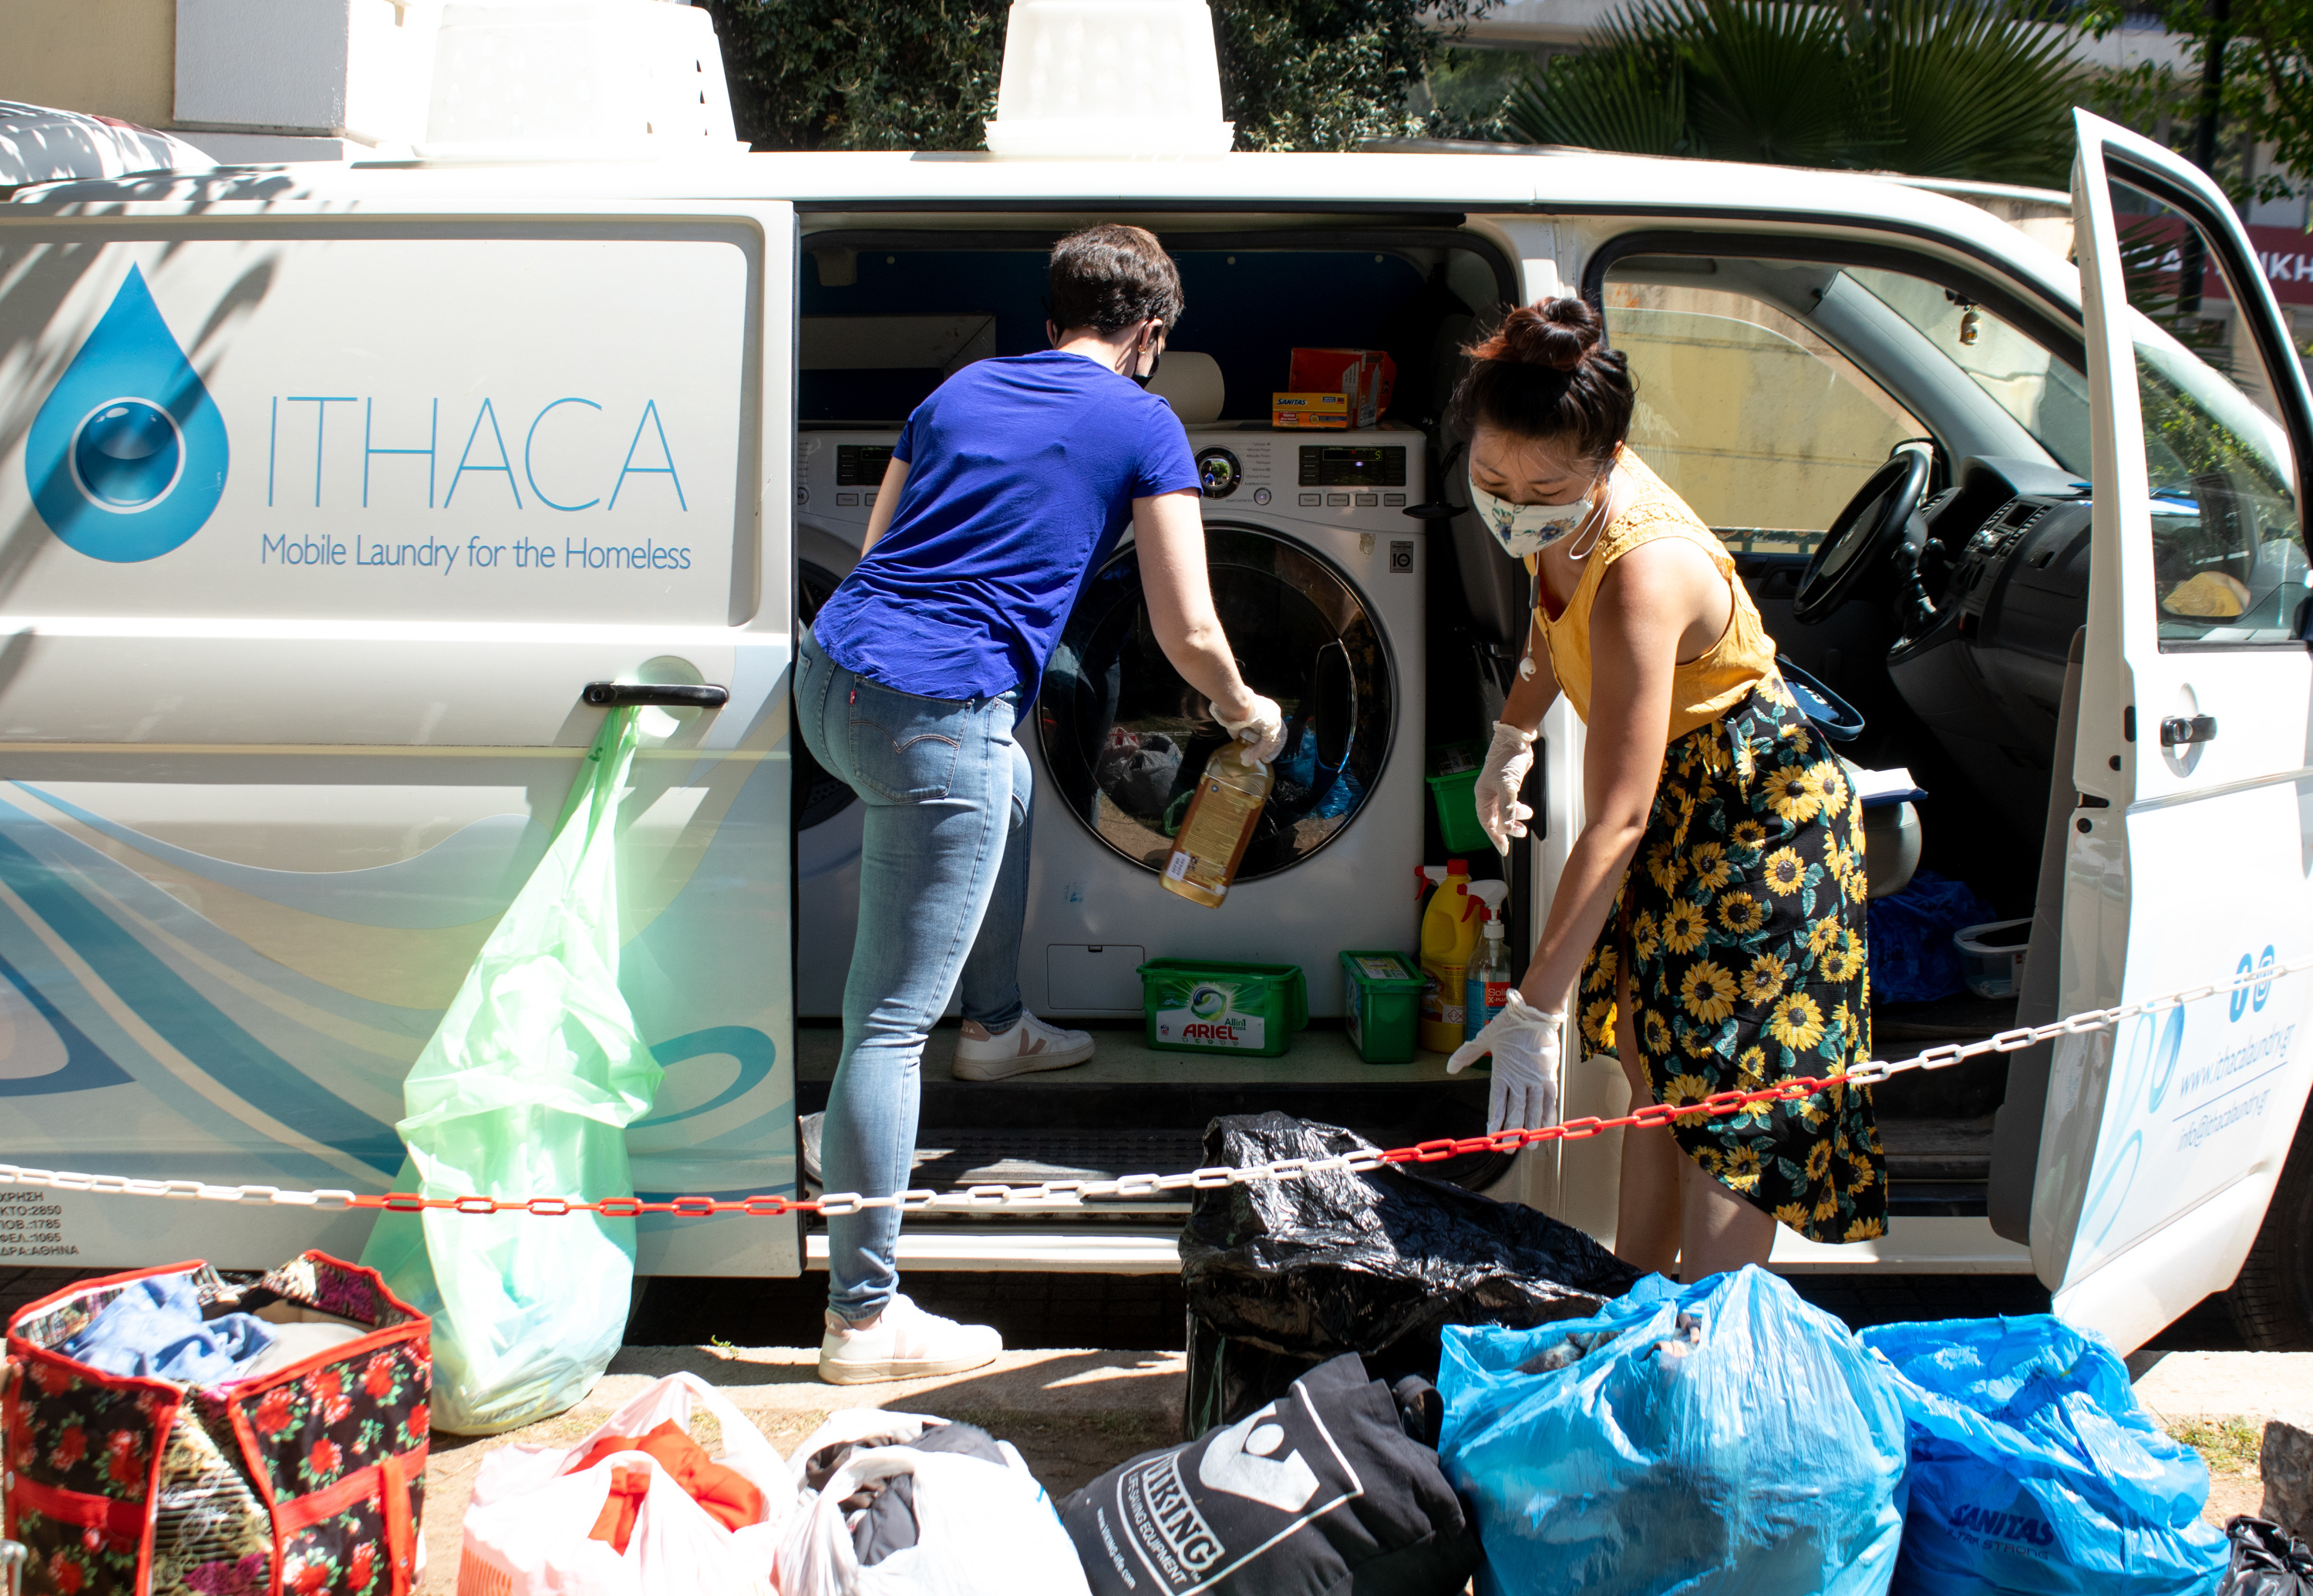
(1913, 958)
(1725, 1439)
(2034, 1471)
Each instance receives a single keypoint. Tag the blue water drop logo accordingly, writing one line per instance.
(127, 460)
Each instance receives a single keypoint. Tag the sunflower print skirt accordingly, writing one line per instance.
(1742, 917)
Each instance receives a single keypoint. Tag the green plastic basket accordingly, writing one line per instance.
(1211, 1005)
(1456, 796)
(1382, 1000)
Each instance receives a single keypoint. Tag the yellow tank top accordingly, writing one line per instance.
(1702, 688)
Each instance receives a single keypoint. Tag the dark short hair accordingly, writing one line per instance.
(1109, 275)
(1544, 375)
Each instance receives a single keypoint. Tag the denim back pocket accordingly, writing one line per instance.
(904, 746)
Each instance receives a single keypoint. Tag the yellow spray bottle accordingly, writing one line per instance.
(1449, 932)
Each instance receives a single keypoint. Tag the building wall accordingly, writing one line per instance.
(109, 57)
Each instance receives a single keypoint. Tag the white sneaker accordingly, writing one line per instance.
(1028, 1047)
(902, 1343)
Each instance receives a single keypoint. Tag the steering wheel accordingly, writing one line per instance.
(1865, 535)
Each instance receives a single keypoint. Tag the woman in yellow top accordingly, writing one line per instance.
(1712, 910)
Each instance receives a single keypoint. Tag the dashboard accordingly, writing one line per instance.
(1991, 598)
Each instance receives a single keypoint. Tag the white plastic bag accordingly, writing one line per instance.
(982, 1530)
(527, 1526)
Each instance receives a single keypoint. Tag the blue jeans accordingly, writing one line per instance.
(942, 888)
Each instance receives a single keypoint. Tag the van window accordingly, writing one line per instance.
(1766, 429)
(2228, 550)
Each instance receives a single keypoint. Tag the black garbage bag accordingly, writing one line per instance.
(2267, 1560)
(1139, 772)
(1281, 1276)
(1333, 1488)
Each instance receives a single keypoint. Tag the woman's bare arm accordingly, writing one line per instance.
(1645, 606)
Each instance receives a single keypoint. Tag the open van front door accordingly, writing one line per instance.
(2188, 859)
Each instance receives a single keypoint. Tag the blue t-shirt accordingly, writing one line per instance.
(1021, 476)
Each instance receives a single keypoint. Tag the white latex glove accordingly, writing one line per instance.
(1525, 1041)
(1508, 761)
(1262, 730)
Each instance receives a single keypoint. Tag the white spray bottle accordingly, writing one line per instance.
(1491, 976)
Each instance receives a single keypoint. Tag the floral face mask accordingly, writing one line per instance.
(1525, 529)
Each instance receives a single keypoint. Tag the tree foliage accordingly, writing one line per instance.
(2265, 52)
(1961, 90)
(839, 74)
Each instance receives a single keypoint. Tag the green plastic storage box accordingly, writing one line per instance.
(1382, 993)
(1211, 1005)
(1454, 788)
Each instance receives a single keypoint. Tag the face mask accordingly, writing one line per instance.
(1155, 360)
(1524, 529)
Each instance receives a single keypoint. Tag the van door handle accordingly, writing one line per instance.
(2179, 729)
(669, 695)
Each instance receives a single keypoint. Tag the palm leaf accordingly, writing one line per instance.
(1972, 92)
(1625, 93)
(1766, 80)
(1961, 89)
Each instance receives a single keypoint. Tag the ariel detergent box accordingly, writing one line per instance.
(1219, 1006)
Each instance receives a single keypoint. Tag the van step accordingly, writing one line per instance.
(949, 1160)
(1935, 1167)
(1938, 1167)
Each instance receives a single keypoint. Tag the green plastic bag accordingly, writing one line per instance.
(526, 1090)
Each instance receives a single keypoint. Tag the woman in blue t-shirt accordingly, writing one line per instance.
(1008, 489)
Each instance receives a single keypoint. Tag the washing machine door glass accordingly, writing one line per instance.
(1125, 738)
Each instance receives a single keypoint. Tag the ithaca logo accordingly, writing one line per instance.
(126, 459)
(2018, 1528)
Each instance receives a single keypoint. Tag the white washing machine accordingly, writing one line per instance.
(1318, 576)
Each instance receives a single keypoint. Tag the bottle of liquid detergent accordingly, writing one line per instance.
(1449, 932)
(1491, 975)
(1215, 832)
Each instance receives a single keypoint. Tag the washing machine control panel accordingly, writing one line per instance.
(1363, 480)
(837, 474)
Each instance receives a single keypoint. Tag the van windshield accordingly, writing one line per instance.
(2047, 397)
(2229, 564)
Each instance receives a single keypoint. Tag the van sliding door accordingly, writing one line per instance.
(317, 524)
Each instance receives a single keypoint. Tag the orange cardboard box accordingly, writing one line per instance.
(1316, 370)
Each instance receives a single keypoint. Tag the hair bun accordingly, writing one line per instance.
(1552, 333)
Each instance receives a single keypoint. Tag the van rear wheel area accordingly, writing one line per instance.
(2271, 1303)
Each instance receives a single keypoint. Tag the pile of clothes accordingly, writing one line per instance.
(154, 1328)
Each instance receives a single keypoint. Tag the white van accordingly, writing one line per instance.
(327, 492)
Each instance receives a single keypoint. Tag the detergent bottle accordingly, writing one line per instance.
(1218, 827)
(1491, 976)
(1449, 932)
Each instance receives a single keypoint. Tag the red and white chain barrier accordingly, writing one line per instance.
(1719, 1106)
